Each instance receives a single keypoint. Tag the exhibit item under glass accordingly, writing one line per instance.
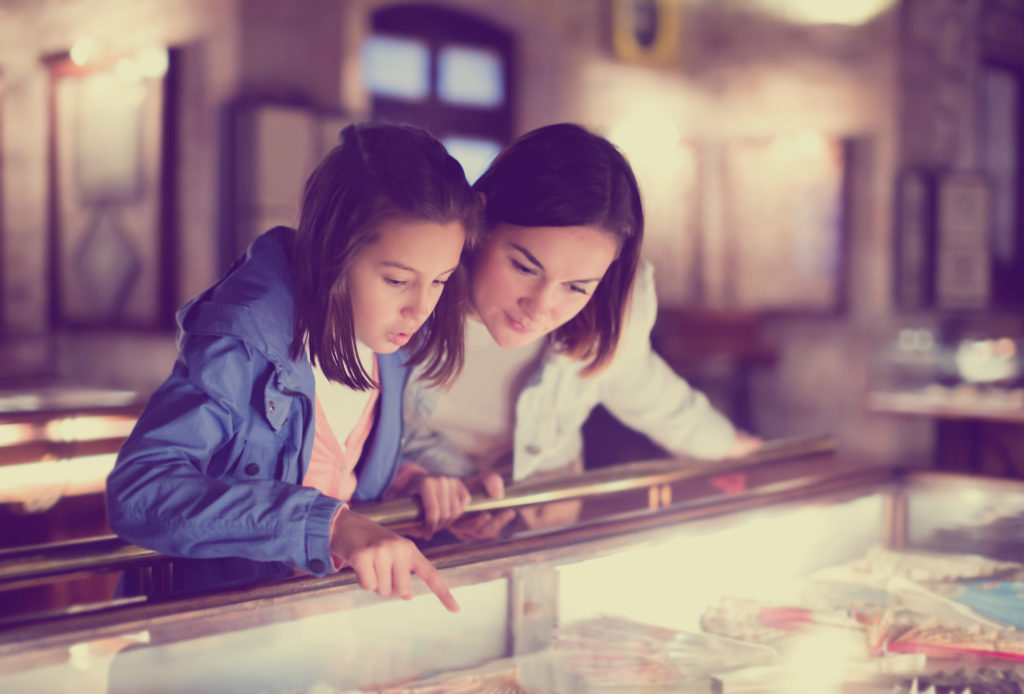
(828, 579)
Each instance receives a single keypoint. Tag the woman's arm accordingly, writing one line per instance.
(642, 391)
(187, 484)
(421, 443)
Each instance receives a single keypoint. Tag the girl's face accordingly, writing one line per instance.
(395, 282)
(528, 281)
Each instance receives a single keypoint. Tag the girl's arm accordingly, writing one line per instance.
(383, 561)
(186, 483)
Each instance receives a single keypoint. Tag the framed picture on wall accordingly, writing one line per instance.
(963, 256)
(275, 147)
(785, 211)
(914, 234)
(646, 31)
(112, 213)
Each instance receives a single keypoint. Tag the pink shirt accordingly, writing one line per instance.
(332, 469)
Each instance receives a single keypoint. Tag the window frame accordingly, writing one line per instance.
(440, 27)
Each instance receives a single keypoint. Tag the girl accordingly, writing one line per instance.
(284, 402)
(560, 322)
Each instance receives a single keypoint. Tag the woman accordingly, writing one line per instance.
(560, 313)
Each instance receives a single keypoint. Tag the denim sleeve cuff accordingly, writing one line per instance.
(337, 561)
(318, 535)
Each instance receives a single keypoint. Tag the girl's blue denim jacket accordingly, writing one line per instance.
(213, 469)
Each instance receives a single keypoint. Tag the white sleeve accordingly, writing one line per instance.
(642, 391)
(421, 443)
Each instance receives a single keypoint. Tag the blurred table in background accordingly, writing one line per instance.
(977, 429)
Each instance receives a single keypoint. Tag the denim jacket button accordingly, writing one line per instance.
(252, 469)
(271, 406)
(533, 449)
(316, 566)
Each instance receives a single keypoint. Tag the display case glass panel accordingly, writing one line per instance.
(646, 601)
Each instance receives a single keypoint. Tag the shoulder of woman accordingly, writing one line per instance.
(644, 295)
(643, 305)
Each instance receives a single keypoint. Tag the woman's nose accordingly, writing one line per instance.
(538, 303)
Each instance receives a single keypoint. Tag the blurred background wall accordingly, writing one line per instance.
(820, 178)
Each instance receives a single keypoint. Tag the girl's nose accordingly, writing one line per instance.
(419, 306)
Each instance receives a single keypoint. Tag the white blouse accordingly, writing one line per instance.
(342, 405)
(477, 415)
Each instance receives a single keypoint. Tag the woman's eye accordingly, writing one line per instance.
(440, 283)
(579, 290)
(523, 268)
(395, 283)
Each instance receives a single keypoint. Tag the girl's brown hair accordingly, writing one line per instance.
(563, 175)
(379, 172)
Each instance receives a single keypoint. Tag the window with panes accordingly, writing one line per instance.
(447, 71)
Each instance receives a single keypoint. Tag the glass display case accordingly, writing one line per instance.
(828, 581)
(965, 375)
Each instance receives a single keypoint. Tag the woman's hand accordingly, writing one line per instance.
(484, 525)
(444, 499)
(384, 561)
(745, 443)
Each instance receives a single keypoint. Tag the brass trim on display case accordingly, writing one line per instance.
(41, 563)
(499, 557)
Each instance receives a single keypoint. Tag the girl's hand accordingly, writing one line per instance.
(444, 499)
(384, 561)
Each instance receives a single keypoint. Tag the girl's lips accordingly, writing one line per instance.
(399, 338)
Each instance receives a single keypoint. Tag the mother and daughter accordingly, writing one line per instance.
(286, 400)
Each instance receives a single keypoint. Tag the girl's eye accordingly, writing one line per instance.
(578, 289)
(440, 283)
(522, 268)
(395, 283)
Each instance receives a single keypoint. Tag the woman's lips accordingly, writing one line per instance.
(399, 338)
(518, 326)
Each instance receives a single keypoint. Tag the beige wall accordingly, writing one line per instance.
(736, 75)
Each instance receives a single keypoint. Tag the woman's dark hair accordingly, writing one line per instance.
(380, 172)
(563, 175)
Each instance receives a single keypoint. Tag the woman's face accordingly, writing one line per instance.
(528, 281)
(395, 282)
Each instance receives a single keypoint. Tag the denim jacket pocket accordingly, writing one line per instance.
(276, 405)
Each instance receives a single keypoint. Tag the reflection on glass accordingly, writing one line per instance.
(397, 67)
(40, 484)
(470, 76)
(88, 428)
(475, 154)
